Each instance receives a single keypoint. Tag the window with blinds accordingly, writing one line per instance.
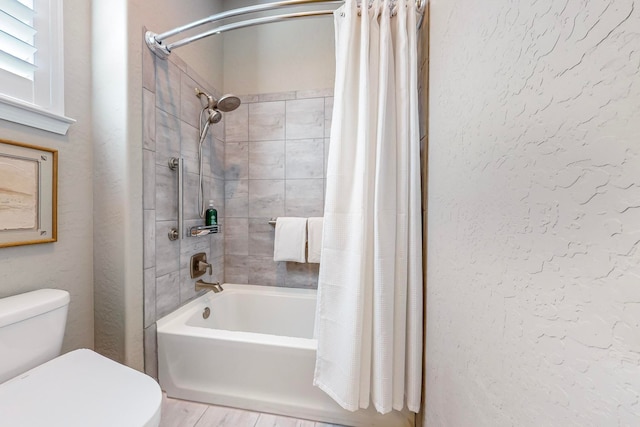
(31, 64)
(17, 48)
(17, 38)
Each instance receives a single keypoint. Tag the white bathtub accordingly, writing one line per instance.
(255, 351)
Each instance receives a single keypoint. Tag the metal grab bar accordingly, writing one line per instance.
(176, 163)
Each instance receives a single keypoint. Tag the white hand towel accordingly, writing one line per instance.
(291, 237)
(314, 226)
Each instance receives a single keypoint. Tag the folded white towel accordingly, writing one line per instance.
(314, 226)
(291, 237)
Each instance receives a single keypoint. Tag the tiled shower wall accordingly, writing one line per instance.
(275, 153)
(170, 116)
(272, 164)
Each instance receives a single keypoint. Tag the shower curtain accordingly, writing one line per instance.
(369, 312)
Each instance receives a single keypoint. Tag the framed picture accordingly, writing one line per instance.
(28, 194)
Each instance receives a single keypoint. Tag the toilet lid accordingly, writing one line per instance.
(80, 389)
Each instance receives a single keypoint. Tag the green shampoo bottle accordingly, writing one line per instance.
(211, 215)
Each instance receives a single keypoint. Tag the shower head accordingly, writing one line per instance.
(228, 103)
(214, 115)
(225, 104)
(215, 107)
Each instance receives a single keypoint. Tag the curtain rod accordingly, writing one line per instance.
(249, 23)
(155, 41)
(238, 12)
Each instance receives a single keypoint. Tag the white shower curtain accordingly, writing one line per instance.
(369, 312)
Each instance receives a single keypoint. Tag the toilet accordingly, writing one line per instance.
(78, 389)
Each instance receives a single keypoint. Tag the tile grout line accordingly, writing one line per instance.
(248, 175)
(285, 159)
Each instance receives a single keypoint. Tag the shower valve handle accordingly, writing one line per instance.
(205, 266)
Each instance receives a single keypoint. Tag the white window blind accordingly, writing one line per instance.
(31, 64)
(17, 38)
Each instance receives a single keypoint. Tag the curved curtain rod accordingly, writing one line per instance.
(238, 12)
(249, 23)
(154, 41)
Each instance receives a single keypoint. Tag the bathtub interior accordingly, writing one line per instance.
(271, 313)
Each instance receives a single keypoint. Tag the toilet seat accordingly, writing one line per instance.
(80, 389)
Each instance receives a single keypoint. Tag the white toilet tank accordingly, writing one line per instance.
(31, 330)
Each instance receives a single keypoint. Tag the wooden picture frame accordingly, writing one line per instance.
(28, 194)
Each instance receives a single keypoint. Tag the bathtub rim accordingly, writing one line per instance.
(175, 323)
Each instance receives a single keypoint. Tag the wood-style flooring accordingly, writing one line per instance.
(182, 413)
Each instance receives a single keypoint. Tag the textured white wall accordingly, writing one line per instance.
(114, 183)
(68, 263)
(533, 314)
(279, 57)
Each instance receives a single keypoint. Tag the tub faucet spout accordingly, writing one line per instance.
(215, 287)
